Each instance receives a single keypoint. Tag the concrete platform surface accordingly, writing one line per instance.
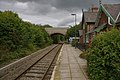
(70, 66)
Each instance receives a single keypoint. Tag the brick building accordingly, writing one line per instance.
(88, 23)
(108, 16)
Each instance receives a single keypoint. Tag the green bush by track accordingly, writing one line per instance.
(19, 38)
(104, 56)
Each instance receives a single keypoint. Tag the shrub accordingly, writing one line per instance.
(18, 36)
(57, 38)
(73, 42)
(104, 56)
(83, 55)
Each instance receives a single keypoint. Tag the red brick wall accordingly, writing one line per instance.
(103, 19)
(82, 37)
(89, 29)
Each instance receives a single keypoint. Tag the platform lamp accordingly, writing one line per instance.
(75, 28)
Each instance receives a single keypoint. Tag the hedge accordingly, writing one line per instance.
(104, 56)
(18, 37)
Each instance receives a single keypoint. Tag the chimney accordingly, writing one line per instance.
(94, 8)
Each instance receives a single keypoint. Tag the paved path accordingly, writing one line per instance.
(71, 67)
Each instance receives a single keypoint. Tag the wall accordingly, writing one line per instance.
(104, 19)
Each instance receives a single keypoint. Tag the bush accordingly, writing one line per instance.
(18, 37)
(57, 38)
(104, 56)
(73, 43)
(83, 55)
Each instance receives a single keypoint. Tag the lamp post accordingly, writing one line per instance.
(75, 28)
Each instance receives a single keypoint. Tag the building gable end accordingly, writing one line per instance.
(107, 13)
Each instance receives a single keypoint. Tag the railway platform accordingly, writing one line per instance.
(69, 65)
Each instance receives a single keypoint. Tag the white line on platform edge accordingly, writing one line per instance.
(53, 73)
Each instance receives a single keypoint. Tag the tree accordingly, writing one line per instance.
(71, 31)
(47, 26)
(16, 36)
(58, 38)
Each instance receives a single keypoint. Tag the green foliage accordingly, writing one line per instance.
(71, 31)
(104, 56)
(10, 28)
(83, 55)
(73, 42)
(62, 38)
(47, 26)
(58, 38)
(17, 36)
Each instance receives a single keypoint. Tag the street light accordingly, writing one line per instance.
(75, 28)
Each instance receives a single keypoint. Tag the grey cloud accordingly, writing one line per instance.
(6, 5)
(111, 1)
(56, 12)
(68, 4)
(37, 1)
(44, 6)
(66, 21)
(27, 0)
(39, 8)
(39, 19)
(71, 5)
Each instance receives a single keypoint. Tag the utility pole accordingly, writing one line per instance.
(75, 29)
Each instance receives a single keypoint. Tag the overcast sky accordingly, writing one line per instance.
(54, 12)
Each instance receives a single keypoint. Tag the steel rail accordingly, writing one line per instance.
(52, 52)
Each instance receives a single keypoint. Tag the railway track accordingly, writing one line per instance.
(42, 70)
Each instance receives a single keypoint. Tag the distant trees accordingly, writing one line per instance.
(58, 38)
(71, 31)
(17, 35)
(47, 26)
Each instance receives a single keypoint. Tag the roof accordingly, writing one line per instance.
(113, 10)
(90, 16)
